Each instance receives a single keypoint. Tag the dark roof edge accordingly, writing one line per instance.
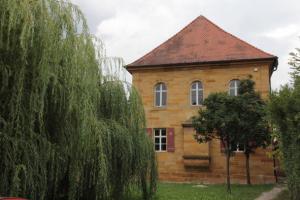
(274, 65)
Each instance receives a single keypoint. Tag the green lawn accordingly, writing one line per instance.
(173, 191)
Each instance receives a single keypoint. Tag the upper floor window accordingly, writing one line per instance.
(160, 95)
(234, 87)
(196, 93)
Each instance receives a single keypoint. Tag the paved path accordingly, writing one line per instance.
(271, 194)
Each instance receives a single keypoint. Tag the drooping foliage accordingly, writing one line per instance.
(65, 131)
(285, 114)
(218, 120)
(254, 126)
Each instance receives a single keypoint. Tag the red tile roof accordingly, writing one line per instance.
(199, 42)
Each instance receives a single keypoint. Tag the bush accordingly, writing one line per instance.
(285, 113)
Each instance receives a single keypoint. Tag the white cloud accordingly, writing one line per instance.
(283, 32)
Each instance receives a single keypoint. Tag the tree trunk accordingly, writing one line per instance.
(228, 167)
(248, 168)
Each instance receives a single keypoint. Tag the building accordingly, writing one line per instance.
(174, 78)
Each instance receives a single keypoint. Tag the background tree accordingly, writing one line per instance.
(218, 120)
(295, 63)
(285, 114)
(254, 126)
(65, 131)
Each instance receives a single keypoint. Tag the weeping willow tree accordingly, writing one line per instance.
(66, 132)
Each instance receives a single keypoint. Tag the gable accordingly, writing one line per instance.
(201, 42)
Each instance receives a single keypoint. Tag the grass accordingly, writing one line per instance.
(173, 191)
(183, 191)
(176, 191)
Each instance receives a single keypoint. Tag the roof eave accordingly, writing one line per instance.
(132, 67)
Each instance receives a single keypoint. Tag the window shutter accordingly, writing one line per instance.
(149, 132)
(170, 140)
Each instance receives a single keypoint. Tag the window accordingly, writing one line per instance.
(234, 87)
(237, 147)
(160, 95)
(160, 139)
(196, 93)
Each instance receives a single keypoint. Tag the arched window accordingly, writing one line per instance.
(234, 87)
(196, 93)
(160, 95)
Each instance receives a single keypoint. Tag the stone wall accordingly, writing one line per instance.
(215, 78)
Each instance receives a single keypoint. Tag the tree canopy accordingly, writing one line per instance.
(285, 114)
(253, 123)
(235, 120)
(65, 131)
(218, 120)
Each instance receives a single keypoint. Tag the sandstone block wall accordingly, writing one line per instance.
(172, 165)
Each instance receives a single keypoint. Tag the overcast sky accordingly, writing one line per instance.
(131, 28)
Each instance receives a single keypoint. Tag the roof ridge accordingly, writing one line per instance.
(181, 30)
(237, 37)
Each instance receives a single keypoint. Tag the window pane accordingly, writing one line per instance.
(200, 85)
(157, 98)
(233, 87)
(194, 86)
(163, 86)
(232, 92)
(163, 147)
(156, 132)
(194, 101)
(163, 132)
(231, 84)
(200, 97)
(156, 140)
(157, 87)
(233, 146)
(164, 98)
(163, 140)
(237, 86)
(241, 147)
(156, 147)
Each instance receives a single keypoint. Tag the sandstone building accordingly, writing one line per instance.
(175, 78)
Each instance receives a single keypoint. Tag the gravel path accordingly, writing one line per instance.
(271, 194)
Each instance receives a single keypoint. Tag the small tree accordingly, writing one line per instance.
(253, 125)
(218, 121)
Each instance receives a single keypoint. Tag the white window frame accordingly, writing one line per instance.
(160, 91)
(235, 87)
(238, 149)
(160, 137)
(197, 93)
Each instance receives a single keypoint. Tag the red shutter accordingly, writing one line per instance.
(170, 140)
(149, 132)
